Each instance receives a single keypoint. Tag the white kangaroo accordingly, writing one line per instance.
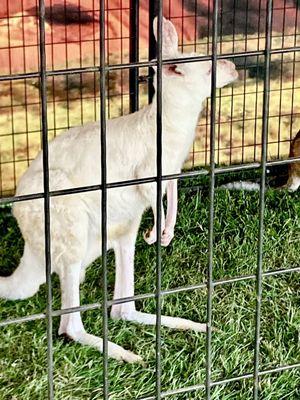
(74, 160)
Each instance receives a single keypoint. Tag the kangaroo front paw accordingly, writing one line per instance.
(166, 237)
(150, 236)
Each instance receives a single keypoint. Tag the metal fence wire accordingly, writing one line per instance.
(260, 161)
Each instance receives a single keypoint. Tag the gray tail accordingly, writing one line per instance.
(241, 185)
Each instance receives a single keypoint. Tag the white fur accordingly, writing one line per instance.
(74, 160)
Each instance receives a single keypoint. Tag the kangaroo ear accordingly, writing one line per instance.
(169, 37)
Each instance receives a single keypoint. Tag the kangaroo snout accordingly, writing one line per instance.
(226, 73)
(229, 67)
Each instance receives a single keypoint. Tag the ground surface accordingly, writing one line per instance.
(78, 370)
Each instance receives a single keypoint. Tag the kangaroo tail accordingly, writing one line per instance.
(241, 185)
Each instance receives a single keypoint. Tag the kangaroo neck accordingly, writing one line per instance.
(179, 114)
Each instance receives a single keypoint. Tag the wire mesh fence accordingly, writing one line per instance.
(68, 63)
(72, 54)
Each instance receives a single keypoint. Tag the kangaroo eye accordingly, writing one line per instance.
(173, 69)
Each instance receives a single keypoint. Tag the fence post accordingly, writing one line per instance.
(134, 55)
(152, 49)
(103, 72)
(46, 194)
(259, 271)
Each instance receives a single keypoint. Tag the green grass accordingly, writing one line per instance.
(78, 370)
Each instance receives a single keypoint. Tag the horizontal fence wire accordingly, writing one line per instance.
(238, 378)
(143, 64)
(133, 182)
(146, 296)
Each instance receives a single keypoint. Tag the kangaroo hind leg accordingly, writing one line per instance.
(71, 324)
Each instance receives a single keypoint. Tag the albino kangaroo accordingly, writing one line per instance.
(74, 160)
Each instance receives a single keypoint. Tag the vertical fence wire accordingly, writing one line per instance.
(11, 94)
(43, 92)
(103, 198)
(152, 49)
(259, 270)
(211, 202)
(279, 141)
(294, 71)
(134, 56)
(158, 197)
